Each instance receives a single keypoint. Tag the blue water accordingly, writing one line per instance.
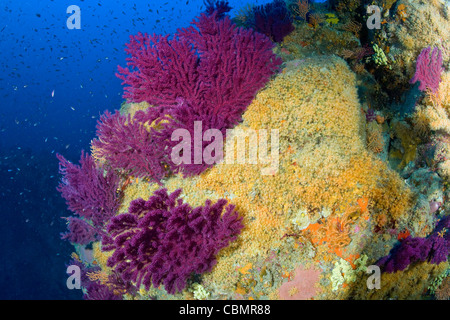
(54, 84)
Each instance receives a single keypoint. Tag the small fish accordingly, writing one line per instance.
(53, 93)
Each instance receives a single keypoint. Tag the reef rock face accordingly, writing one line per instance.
(303, 205)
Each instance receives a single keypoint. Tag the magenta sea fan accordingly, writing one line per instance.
(209, 72)
(89, 192)
(165, 241)
(428, 69)
(128, 145)
(213, 65)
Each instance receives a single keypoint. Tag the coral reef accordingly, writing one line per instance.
(332, 169)
(125, 144)
(434, 249)
(80, 231)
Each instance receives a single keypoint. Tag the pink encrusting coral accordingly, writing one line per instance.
(429, 69)
(165, 241)
(303, 286)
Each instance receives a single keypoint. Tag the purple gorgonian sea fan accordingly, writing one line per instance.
(90, 193)
(221, 6)
(166, 241)
(434, 249)
(79, 231)
(130, 144)
(209, 72)
(429, 69)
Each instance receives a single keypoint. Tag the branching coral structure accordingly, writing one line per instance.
(165, 241)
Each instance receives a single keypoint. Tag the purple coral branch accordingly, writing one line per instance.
(209, 72)
(429, 69)
(165, 241)
(434, 249)
(126, 143)
(89, 192)
(80, 231)
(272, 19)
